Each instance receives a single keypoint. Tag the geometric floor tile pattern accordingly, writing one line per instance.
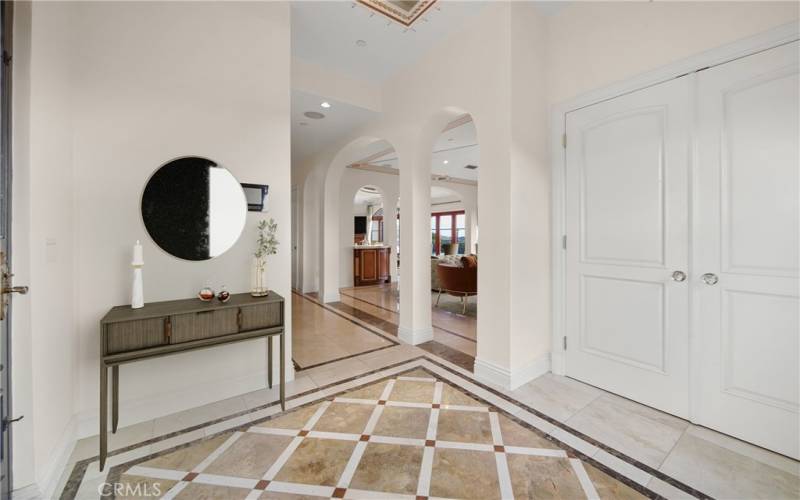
(409, 435)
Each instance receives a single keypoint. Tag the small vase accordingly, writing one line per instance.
(258, 286)
(205, 294)
(223, 295)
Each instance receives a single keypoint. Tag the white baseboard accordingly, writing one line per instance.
(511, 379)
(47, 482)
(331, 297)
(415, 337)
(162, 404)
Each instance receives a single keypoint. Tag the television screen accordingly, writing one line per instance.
(360, 224)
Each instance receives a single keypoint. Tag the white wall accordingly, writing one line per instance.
(507, 67)
(591, 44)
(116, 89)
(43, 242)
(144, 101)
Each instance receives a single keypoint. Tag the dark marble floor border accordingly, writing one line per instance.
(458, 358)
(561, 425)
(116, 472)
(393, 343)
(79, 469)
(451, 332)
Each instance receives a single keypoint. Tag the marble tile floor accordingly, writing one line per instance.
(453, 347)
(668, 456)
(320, 335)
(447, 317)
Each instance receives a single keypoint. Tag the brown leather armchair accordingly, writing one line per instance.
(458, 281)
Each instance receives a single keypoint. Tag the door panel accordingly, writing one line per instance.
(611, 231)
(627, 229)
(747, 233)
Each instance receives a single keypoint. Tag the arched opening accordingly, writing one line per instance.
(454, 161)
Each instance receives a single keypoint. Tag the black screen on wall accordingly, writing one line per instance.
(360, 226)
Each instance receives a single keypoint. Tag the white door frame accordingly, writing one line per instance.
(777, 36)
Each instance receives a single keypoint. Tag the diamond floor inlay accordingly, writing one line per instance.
(410, 435)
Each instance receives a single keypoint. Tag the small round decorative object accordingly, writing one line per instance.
(223, 295)
(205, 294)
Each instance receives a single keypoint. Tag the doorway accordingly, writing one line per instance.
(681, 269)
(6, 13)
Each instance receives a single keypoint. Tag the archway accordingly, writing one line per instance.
(365, 161)
(454, 165)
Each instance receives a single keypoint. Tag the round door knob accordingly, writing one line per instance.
(678, 276)
(710, 278)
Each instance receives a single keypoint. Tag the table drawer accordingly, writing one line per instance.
(202, 325)
(261, 316)
(134, 335)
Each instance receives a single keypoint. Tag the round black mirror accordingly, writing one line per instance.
(193, 209)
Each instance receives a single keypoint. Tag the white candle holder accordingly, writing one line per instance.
(137, 289)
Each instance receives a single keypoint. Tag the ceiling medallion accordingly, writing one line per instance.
(404, 12)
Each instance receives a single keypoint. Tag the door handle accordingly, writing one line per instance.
(709, 279)
(679, 276)
(6, 288)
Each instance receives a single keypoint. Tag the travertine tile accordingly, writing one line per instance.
(390, 468)
(187, 458)
(464, 426)
(317, 461)
(645, 434)
(609, 488)
(516, 435)
(464, 474)
(371, 391)
(348, 418)
(403, 422)
(555, 396)
(249, 456)
(452, 396)
(543, 477)
(412, 392)
(723, 473)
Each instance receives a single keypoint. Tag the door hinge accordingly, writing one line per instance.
(564, 242)
(565, 342)
(6, 58)
(564, 141)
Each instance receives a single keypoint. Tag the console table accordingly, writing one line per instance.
(163, 328)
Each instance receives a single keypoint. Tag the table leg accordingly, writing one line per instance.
(114, 398)
(269, 361)
(283, 372)
(103, 413)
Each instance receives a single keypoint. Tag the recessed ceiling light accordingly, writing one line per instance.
(361, 43)
(314, 115)
(445, 162)
(326, 104)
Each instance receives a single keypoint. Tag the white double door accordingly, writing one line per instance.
(683, 223)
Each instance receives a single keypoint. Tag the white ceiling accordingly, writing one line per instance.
(326, 32)
(341, 119)
(458, 146)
